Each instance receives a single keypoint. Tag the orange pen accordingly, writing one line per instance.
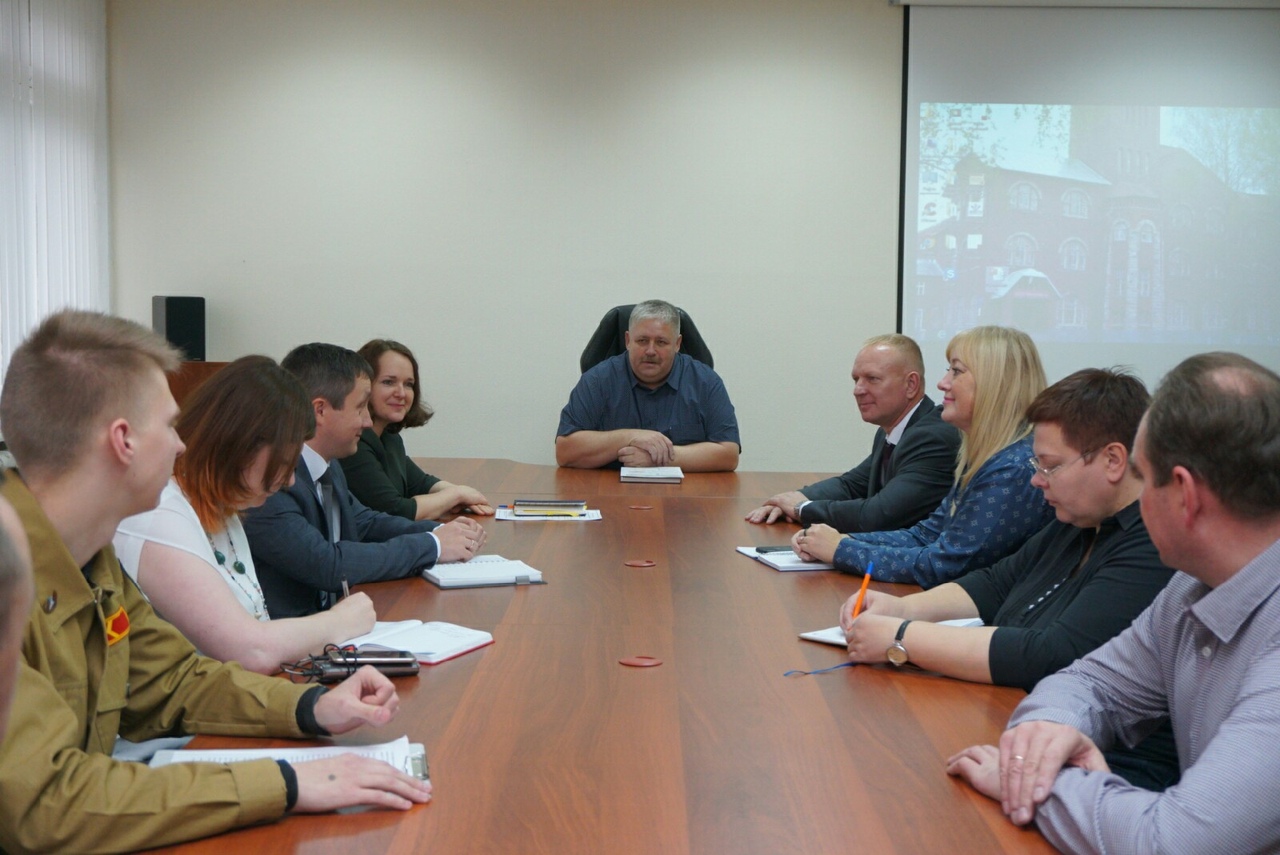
(862, 592)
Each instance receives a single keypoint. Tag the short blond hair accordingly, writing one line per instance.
(906, 347)
(72, 369)
(1007, 376)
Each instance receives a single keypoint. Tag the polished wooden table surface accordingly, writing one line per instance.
(542, 742)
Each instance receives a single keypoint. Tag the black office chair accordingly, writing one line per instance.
(609, 338)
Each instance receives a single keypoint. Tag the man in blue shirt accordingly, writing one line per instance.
(650, 406)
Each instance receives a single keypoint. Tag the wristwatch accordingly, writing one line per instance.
(897, 652)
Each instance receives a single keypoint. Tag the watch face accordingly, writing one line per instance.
(896, 654)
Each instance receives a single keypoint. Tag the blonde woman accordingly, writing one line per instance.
(993, 374)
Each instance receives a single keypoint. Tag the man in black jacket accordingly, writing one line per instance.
(313, 538)
(912, 461)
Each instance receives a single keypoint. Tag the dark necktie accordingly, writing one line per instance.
(886, 456)
(330, 502)
(330, 509)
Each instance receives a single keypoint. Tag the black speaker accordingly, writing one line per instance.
(181, 321)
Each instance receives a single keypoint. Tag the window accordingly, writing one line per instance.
(1022, 251)
(1024, 197)
(1071, 313)
(53, 222)
(1075, 203)
(1074, 254)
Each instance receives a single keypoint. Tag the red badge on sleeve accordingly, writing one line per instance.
(117, 626)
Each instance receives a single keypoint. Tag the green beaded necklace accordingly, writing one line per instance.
(238, 566)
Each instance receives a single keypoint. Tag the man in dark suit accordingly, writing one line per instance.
(912, 461)
(314, 538)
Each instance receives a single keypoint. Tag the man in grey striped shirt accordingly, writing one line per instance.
(1206, 653)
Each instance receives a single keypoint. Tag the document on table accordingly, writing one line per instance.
(548, 507)
(503, 513)
(481, 572)
(651, 474)
(785, 561)
(404, 755)
(835, 635)
(431, 642)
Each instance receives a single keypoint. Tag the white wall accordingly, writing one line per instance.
(483, 180)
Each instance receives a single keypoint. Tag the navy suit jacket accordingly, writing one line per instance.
(299, 568)
(921, 472)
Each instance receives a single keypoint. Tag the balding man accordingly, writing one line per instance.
(913, 457)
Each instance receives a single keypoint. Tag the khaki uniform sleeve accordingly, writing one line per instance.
(56, 797)
(61, 791)
(174, 690)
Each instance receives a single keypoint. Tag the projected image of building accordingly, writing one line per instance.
(1104, 232)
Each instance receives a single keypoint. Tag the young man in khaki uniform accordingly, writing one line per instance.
(87, 413)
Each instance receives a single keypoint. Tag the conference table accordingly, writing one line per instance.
(544, 743)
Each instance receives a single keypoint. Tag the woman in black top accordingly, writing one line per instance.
(381, 474)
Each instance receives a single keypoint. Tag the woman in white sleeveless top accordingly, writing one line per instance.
(244, 429)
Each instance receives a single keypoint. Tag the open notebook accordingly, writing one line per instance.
(835, 635)
(785, 561)
(431, 642)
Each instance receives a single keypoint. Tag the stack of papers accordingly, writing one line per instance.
(410, 757)
(431, 642)
(483, 571)
(652, 474)
(509, 514)
(786, 561)
(549, 507)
